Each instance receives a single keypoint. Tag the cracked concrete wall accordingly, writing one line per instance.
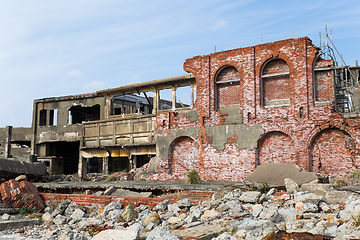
(246, 136)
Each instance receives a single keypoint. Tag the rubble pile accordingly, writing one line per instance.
(312, 209)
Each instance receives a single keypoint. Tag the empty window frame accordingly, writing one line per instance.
(132, 103)
(275, 83)
(183, 97)
(79, 114)
(42, 117)
(53, 117)
(227, 87)
(165, 99)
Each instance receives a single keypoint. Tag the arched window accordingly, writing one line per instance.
(323, 80)
(275, 83)
(227, 87)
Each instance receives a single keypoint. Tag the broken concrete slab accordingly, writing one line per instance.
(275, 173)
(10, 169)
(17, 222)
(200, 232)
(128, 193)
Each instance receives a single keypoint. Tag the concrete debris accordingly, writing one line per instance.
(264, 173)
(10, 169)
(239, 214)
(128, 193)
(23, 194)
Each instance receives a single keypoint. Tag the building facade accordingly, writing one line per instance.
(281, 102)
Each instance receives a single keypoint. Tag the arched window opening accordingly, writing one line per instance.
(227, 87)
(275, 79)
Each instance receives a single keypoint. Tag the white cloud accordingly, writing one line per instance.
(74, 74)
(93, 86)
(220, 24)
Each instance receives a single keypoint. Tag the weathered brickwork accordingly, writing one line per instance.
(54, 199)
(276, 147)
(299, 130)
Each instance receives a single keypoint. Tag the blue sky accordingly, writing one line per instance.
(56, 48)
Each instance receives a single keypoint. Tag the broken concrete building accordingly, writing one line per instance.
(282, 102)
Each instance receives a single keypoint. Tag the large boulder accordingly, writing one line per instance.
(275, 173)
(23, 194)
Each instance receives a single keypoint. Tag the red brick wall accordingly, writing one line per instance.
(331, 153)
(54, 199)
(183, 157)
(323, 81)
(276, 147)
(276, 88)
(300, 123)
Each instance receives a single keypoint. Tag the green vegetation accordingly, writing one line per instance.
(193, 177)
(111, 178)
(24, 211)
(340, 182)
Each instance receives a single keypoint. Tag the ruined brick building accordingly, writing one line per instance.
(282, 102)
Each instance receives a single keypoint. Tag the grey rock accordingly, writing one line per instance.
(131, 233)
(336, 197)
(256, 210)
(60, 219)
(191, 218)
(161, 207)
(70, 209)
(61, 208)
(251, 224)
(225, 236)
(77, 214)
(114, 214)
(109, 191)
(161, 233)
(288, 214)
(5, 217)
(222, 208)
(112, 206)
(318, 188)
(173, 208)
(308, 198)
(184, 203)
(196, 213)
(271, 192)
(324, 207)
(290, 185)
(250, 197)
(234, 195)
(99, 193)
(270, 214)
(309, 208)
(21, 178)
(143, 214)
(47, 218)
(87, 222)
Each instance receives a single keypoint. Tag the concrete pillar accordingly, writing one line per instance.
(105, 168)
(173, 98)
(82, 167)
(8, 142)
(134, 161)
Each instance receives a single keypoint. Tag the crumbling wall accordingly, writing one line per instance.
(278, 98)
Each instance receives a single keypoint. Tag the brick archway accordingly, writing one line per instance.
(276, 147)
(330, 153)
(183, 157)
